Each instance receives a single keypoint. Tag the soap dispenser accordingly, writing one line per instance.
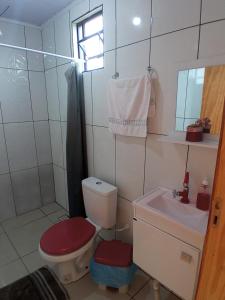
(203, 197)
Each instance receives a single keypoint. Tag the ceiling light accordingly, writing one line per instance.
(136, 21)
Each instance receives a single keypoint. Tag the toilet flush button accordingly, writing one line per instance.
(98, 182)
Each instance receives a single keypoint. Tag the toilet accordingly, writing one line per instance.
(68, 246)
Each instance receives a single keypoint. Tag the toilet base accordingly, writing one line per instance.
(67, 272)
(73, 266)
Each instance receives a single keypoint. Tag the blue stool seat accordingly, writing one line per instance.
(112, 276)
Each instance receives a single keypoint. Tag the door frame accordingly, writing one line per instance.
(211, 284)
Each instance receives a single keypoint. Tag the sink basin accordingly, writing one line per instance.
(184, 221)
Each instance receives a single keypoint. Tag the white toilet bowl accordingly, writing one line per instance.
(73, 265)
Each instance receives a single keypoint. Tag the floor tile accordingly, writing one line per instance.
(58, 216)
(88, 290)
(22, 220)
(33, 261)
(50, 208)
(147, 293)
(7, 252)
(12, 272)
(141, 278)
(26, 239)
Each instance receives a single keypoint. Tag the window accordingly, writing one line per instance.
(90, 39)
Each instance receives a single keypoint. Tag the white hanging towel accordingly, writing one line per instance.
(128, 105)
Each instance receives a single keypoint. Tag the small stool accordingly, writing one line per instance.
(112, 265)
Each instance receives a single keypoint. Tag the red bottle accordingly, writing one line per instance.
(203, 197)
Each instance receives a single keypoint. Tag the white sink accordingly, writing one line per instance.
(183, 221)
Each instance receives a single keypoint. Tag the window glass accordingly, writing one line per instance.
(92, 46)
(90, 41)
(93, 26)
(95, 63)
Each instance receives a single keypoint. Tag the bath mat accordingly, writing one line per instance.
(39, 285)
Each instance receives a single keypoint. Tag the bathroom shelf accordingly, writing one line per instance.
(179, 138)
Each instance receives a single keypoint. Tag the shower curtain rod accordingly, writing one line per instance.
(42, 52)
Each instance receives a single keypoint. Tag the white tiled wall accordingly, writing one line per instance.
(25, 149)
(177, 35)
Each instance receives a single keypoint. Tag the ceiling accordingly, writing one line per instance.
(35, 12)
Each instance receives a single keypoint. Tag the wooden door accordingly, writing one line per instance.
(213, 96)
(211, 284)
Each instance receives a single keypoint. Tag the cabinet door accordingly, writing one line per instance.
(167, 259)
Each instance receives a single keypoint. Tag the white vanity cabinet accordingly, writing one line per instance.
(167, 259)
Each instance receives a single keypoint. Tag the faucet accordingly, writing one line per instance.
(183, 194)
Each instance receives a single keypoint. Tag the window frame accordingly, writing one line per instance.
(81, 24)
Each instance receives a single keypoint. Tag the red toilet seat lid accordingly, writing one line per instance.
(67, 236)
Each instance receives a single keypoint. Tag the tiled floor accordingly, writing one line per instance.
(19, 238)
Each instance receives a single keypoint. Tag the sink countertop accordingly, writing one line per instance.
(184, 221)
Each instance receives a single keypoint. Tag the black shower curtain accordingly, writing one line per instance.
(76, 153)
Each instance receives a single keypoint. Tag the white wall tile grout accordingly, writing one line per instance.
(5, 123)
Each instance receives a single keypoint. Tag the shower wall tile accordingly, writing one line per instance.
(34, 41)
(23, 100)
(62, 37)
(201, 165)
(48, 38)
(62, 86)
(128, 54)
(43, 142)
(78, 9)
(47, 183)
(127, 10)
(12, 34)
(109, 15)
(212, 42)
(60, 186)
(26, 190)
(124, 218)
(52, 94)
(56, 142)
(100, 80)
(166, 17)
(7, 209)
(4, 167)
(212, 10)
(95, 3)
(130, 160)
(21, 145)
(104, 154)
(88, 97)
(165, 164)
(90, 150)
(38, 96)
(165, 58)
(64, 134)
(15, 96)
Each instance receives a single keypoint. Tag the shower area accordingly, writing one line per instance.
(33, 125)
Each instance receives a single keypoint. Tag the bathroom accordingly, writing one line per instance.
(159, 38)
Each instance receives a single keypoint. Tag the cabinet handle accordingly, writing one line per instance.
(186, 257)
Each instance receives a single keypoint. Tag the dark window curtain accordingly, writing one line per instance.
(76, 151)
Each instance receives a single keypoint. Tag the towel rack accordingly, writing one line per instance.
(149, 69)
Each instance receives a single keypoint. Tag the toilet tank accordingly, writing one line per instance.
(100, 200)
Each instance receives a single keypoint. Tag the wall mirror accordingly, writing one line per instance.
(200, 94)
